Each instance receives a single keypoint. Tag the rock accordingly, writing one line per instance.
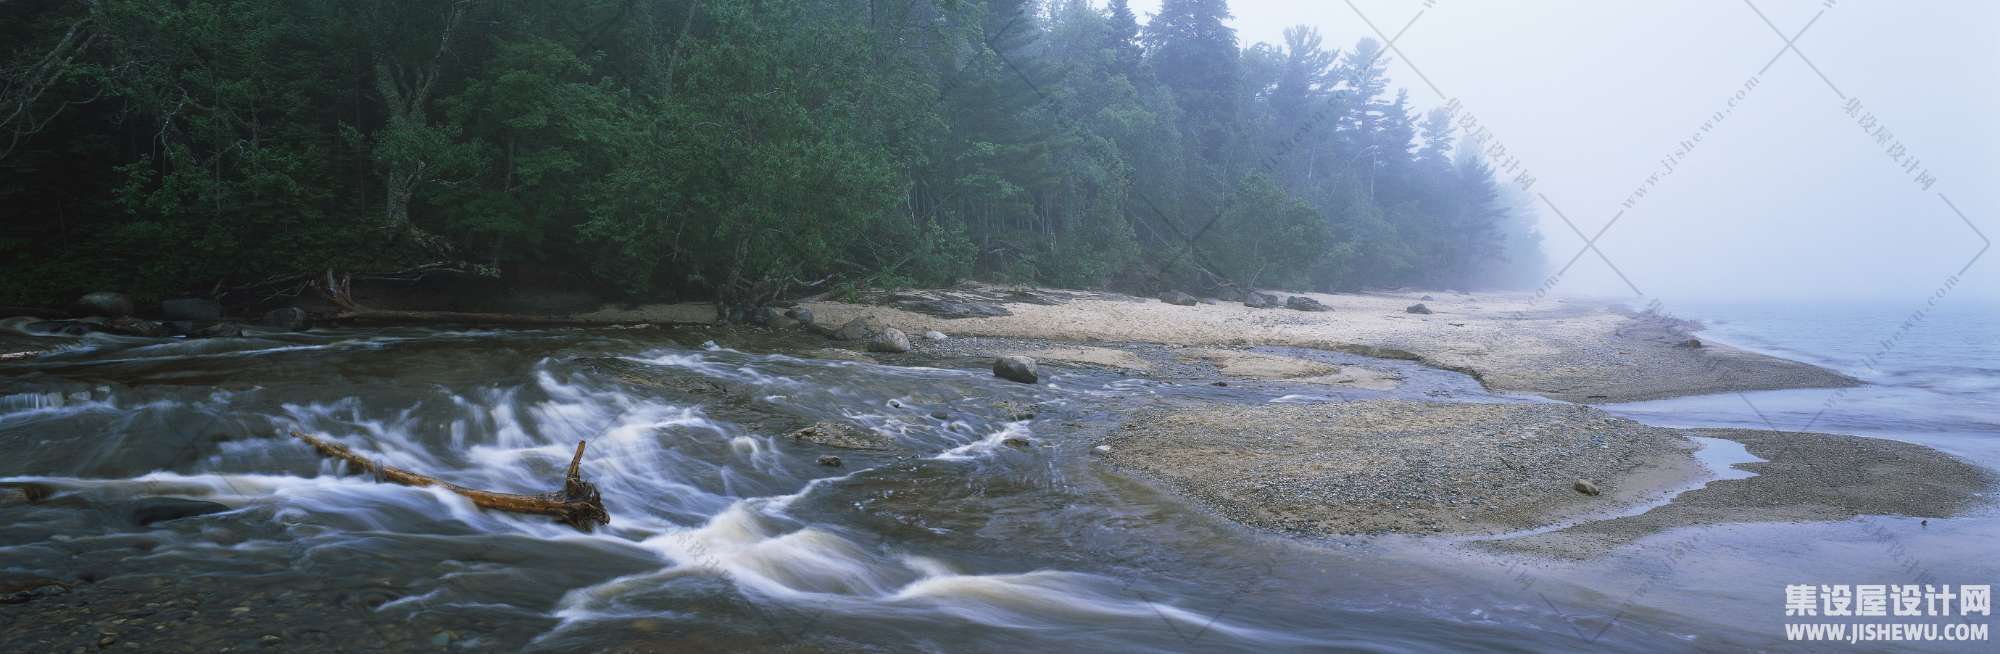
(1101, 449)
(941, 414)
(1302, 303)
(1256, 300)
(783, 322)
(761, 316)
(889, 340)
(858, 329)
(950, 310)
(1015, 411)
(1209, 300)
(160, 509)
(1584, 486)
(191, 309)
(1690, 343)
(829, 460)
(934, 335)
(24, 493)
(130, 326)
(1015, 441)
(218, 330)
(60, 327)
(1016, 368)
(102, 303)
(289, 318)
(801, 314)
(834, 434)
(1418, 308)
(1178, 298)
(1428, 298)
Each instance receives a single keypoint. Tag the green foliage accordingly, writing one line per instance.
(726, 149)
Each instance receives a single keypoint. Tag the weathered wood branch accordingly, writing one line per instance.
(578, 504)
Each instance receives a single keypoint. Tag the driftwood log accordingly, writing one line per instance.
(577, 504)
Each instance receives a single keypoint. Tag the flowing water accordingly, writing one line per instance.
(725, 535)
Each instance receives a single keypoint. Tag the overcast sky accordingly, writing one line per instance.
(1786, 197)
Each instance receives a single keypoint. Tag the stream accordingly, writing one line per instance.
(725, 535)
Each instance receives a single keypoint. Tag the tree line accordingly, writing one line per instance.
(738, 150)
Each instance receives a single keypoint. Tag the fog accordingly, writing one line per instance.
(1785, 197)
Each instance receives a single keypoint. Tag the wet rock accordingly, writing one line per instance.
(889, 340)
(761, 316)
(130, 326)
(834, 434)
(289, 318)
(858, 329)
(24, 493)
(935, 335)
(1016, 368)
(1585, 486)
(1690, 343)
(61, 327)
(1418, 308)
(191, 309)
(217, 330)
(1016, 411)
(1302, 303)
(1015, 441)
(1428, 298)
(21, 590)
(1178, 298)
(102, 303)
(149, 510)
(941, 414)
(829, 460)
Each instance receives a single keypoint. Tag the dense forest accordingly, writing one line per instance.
(737, 150)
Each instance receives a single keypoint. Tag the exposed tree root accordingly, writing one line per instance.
(577, 504)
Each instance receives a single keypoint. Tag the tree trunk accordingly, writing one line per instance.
(578, 504)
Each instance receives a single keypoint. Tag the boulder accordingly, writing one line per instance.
(934, 335)
(829, 460)
(1584, 486)
(889, 340)
(1256, 300)
(191, 310)
(102, 303)
(1016, 368)
(217, 330)
(291, 318)
(801, 314)
(858, 329)
(1178, 298)
(1015, 441)
(1418, 308)
(149, 510)
(1302, 303)
(761, 316)
(1690, 343)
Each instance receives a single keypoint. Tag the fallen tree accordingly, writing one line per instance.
(577, 504)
